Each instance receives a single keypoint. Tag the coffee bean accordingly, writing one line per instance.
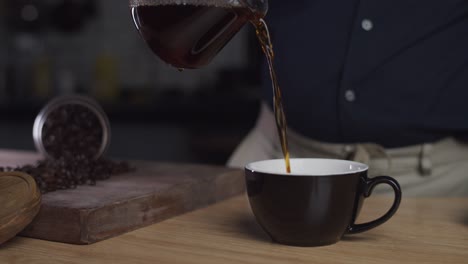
(62, 173)
(72, 130)
(72, 135)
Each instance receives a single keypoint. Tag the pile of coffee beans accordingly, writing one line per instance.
(72, 136)
(63, 173)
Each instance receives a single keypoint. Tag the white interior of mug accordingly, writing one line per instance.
(307, 167)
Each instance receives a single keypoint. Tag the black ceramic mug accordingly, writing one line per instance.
(317, 203)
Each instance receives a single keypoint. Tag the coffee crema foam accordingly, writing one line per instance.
(216, 3)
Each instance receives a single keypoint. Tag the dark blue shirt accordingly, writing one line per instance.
(392, 72)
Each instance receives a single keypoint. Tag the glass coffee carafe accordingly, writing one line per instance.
(189, 33)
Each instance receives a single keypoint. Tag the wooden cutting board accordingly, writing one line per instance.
(152, 193)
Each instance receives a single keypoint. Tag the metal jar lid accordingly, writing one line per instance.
(61, 101)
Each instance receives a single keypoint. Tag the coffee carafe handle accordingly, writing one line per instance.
(369, 185)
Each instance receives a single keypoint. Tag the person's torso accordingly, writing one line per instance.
(390, 72)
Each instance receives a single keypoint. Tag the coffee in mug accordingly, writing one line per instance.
(317, 203)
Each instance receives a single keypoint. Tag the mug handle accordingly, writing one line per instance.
(369, 185)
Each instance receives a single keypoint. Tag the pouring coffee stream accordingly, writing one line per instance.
(190, 33)
(265, 41)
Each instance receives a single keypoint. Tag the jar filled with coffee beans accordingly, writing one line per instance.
(72, 133)
(72, 126)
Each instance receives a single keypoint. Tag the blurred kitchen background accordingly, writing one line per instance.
(58, 47)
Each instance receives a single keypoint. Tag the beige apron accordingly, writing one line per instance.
(433, 169)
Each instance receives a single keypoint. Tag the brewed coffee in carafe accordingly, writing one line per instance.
(189, 34)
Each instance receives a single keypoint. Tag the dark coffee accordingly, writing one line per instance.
(187, 36)
(315, 205)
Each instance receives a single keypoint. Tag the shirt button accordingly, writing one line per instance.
(350, 96)
(366, 24)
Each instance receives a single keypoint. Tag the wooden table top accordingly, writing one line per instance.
(424, 230)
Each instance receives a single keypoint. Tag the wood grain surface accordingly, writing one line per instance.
(152, 193)
(20, 201)
(429, 230)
